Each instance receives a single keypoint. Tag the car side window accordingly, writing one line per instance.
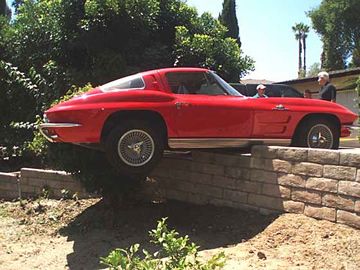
(193, 83)
(126, 83)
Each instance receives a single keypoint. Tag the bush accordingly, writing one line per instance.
(87, 165)
(175, 253)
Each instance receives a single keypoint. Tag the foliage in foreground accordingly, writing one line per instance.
(175, 253)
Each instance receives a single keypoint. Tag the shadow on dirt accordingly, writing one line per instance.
(98, 230)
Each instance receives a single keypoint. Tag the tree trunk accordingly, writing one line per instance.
(304, 45)
(300, 54)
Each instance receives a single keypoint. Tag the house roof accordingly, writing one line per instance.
(333, 74)
(256, 81)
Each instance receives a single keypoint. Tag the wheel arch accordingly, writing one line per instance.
(330, 117)
(152, 117)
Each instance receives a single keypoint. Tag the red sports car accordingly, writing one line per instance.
(136, 117)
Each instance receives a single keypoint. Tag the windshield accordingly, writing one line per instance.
(228, 88)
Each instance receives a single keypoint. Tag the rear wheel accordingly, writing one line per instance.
(317, 133)
(134, 148)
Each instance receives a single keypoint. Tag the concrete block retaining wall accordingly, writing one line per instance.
(32, 182)
(323, 184)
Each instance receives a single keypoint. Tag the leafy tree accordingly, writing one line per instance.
(51, 45)
(313, 70)
(211, 48)
(229, 19)
(338, 24)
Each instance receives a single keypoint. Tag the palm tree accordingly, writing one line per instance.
(297, 30)
(304, 32)
(301, 30)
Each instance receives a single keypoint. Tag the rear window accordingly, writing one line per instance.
(126, 83)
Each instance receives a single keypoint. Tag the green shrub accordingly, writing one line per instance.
(87, 165)
(175, 253)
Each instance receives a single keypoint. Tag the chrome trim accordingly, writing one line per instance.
(223, 142)
(52, 138)
(58, 125)
(352, 127)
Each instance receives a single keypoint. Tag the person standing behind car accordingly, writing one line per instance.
(307, 94)
(260, 91)
(327, 91)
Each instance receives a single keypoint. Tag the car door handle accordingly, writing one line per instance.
(280, 107)
(182, 104)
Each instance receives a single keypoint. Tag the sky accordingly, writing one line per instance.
(266, 34)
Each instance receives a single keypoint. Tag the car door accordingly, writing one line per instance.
(273, 118)
(203, 109)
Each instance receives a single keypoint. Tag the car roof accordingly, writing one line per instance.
(175, 69)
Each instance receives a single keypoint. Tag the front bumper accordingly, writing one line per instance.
(346, 130)
(48, 130)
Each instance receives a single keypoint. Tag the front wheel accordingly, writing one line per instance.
(134, 148)
(318, 133)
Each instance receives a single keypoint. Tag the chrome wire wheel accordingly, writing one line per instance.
(136, 147)
(320, 136)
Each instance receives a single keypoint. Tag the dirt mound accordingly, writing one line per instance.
(73, 234)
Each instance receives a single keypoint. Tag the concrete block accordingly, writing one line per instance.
(351, 219)
(8, 178)
(349, 188)
(322, 184)
(208, 168)
(338, 202)
(323, 156)
(263, 176)
(8, 186)
(292, 154)
(198, 177)
(294, 207)
(238, 173)
(261, 163)
(306, 168)
(291, 180)
(306, 196)
(224, 182)
(281, 166)
(203, 156)
(261, 151)
(276, 191)
(235, 196)
(227, 159)
(265, 202)
(208, 190)
(320, 212)
(357, 206)
(350, 159)
(222, 202)
(248, 186)
(340, 172)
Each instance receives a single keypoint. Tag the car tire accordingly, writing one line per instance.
(318, 133)
(134, 148)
